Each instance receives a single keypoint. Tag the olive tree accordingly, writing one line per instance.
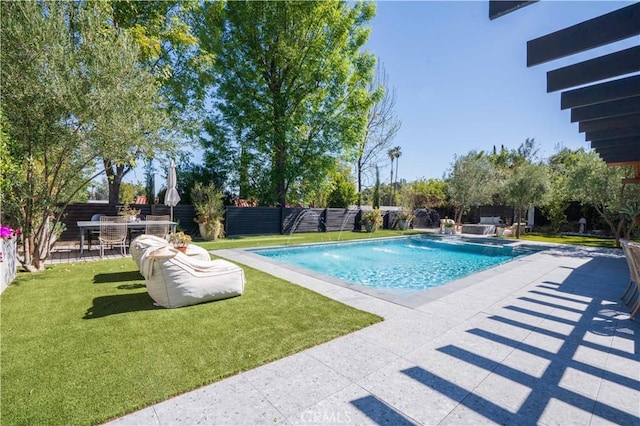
(472, 181)
(526, 186)
(592, 182)
(72, 93)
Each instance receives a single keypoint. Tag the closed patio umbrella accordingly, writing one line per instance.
(171, 198)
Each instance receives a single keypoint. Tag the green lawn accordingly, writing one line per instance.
(577, 240)
(82, 343)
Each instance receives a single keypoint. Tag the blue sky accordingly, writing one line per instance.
(462, 82)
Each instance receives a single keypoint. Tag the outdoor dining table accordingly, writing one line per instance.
(85, 225)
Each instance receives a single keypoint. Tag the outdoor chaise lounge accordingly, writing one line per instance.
(632, 255)
(175, 279)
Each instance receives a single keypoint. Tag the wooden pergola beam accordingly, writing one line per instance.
(612, 65)
(603, 92)
(606, 29)
(498, 8)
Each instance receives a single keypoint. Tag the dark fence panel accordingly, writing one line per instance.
(426, 218)
(506, 213)
(390, 219)
(252, 220)
(340, 219)
(83, 211)
(299, 219)
(183, 214)
(75, 212)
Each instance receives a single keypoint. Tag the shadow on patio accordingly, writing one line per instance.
(563, 352)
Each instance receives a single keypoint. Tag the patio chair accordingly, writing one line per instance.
(632, 254)
(174, 279)
(113, 233)
(93, 233)
(154, 229)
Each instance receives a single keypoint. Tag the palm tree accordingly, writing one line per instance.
(398, 153)
(392, 156)
(394, 153)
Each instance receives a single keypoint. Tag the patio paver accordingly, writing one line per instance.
(541, 340)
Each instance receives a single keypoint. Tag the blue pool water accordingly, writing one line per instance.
(410, 263)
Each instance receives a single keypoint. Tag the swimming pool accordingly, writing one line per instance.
(415, 263)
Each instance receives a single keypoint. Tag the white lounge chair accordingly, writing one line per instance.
(174, 279)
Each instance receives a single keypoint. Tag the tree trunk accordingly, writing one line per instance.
(457, 216)
(114, 179)
(391, 185)
(114, 191)
(396, 184)
(359, 172)
(243, 174)
(280, 163)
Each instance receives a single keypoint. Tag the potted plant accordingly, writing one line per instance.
(207, 201)
(129, 212)
(371, 220)
(405, 216)
(180, 240)
(449, 227)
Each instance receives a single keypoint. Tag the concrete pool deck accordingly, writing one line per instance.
(544, 339)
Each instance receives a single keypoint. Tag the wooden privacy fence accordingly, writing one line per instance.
(241, 220)
(279, 220)
(183, 214)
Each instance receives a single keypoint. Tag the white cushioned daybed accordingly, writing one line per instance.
(487, 226)
(175, 279)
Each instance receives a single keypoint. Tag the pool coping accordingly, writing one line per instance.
(404, 297)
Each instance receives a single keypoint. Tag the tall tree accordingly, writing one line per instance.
(381, 128)
(292, 87)
(168, 49)
(73, 93)
(392, 156)
(427, 193)
(393, 153)
(398, 154)
(376, 190)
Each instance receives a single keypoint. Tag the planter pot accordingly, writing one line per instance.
(183, 249)
(209, 233)
(403, 224)
(370, 227)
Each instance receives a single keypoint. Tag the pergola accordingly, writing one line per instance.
(603, 93)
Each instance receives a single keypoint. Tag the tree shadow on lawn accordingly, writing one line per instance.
(104, 306)
(116, 277)
(114, 304)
